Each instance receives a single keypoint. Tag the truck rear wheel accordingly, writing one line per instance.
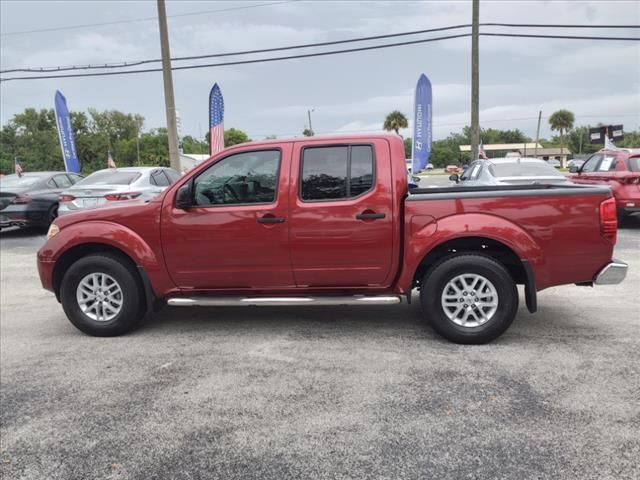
(102, 296)
(469, 299)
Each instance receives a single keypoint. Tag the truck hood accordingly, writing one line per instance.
(111, 212)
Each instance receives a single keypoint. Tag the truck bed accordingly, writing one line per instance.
(504, 191)
(556, 227)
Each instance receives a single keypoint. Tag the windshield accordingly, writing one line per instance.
(12, 181)
(110, 178)
(524, 169)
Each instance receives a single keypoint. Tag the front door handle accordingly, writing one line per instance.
(367, 215)
(270, 219)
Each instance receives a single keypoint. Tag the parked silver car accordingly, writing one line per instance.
(509, 171)
(114, 185)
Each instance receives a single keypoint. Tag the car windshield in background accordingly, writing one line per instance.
(524, 169)
(634, 164)
(110, 178)
(12, 181)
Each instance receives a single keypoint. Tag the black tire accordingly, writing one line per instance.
(53, 214)
(132, 310)
(446, 270)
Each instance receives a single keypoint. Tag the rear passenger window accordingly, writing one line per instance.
(62, 181)
(159, 178)
(334, 173)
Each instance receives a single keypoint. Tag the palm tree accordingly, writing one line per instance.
(561, 120)
(395, 121)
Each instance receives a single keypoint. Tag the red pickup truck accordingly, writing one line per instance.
(330, 220)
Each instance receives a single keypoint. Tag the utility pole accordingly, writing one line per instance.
(309, 116)
(138, 145)
(475, 80)
(535, 149)
(172, 129)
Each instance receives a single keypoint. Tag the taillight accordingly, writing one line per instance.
(21, 199)
(609, 220)
(114, 197)
(66, 198)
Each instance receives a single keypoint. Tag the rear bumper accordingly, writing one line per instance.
(22, 215)
(612, 274)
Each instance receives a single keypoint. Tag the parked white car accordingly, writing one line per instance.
(114, 185)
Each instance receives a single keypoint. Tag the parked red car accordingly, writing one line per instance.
(330, 220)
(619, 169)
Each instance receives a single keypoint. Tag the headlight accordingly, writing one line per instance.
(53, 231)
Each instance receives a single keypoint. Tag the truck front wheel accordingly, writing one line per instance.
(469, 298)
(102, 296)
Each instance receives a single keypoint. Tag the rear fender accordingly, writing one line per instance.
(424, 237)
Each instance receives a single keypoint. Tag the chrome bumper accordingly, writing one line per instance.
(612, 274)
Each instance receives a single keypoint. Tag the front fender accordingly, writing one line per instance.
(426, 234)
(100, 232)
(104, 232)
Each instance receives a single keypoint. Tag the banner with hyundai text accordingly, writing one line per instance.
(65, 134)
(216, 120)
(422, 125)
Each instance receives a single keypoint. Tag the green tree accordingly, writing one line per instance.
(631, 140)
(395, 121)
(233, 136)
(193, 145)
(32, 137)
(307, 132)
(562, 121)
(408, 147)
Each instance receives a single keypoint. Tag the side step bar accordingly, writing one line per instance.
(282, 301)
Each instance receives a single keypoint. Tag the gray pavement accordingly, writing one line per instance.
(356, 392)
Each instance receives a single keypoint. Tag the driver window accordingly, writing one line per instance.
(591, 164)
(248, 177)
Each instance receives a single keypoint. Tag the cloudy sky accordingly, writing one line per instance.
(598, 81)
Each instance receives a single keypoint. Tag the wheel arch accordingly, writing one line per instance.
(519, 269)
(73, 254)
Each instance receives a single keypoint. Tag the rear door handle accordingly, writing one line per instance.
(369, 216)
(270, 219)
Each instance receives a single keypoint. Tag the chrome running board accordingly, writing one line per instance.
(281, 301)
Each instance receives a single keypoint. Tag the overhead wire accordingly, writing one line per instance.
(325, 53)
(132, 63)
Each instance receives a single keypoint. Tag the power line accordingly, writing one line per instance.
(128, 64)
(319, 54)
(230, 54)
(145, 19)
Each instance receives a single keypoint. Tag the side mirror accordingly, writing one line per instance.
(183, 197)
(454, 178)
(573, 169)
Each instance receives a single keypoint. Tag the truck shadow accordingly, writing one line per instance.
(319, 322)
(15, 232)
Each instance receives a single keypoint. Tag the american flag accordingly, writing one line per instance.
(110, 162)
(216, 120)
(481, 152)
(18, 168)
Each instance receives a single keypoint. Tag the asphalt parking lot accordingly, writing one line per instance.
(324, 392)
